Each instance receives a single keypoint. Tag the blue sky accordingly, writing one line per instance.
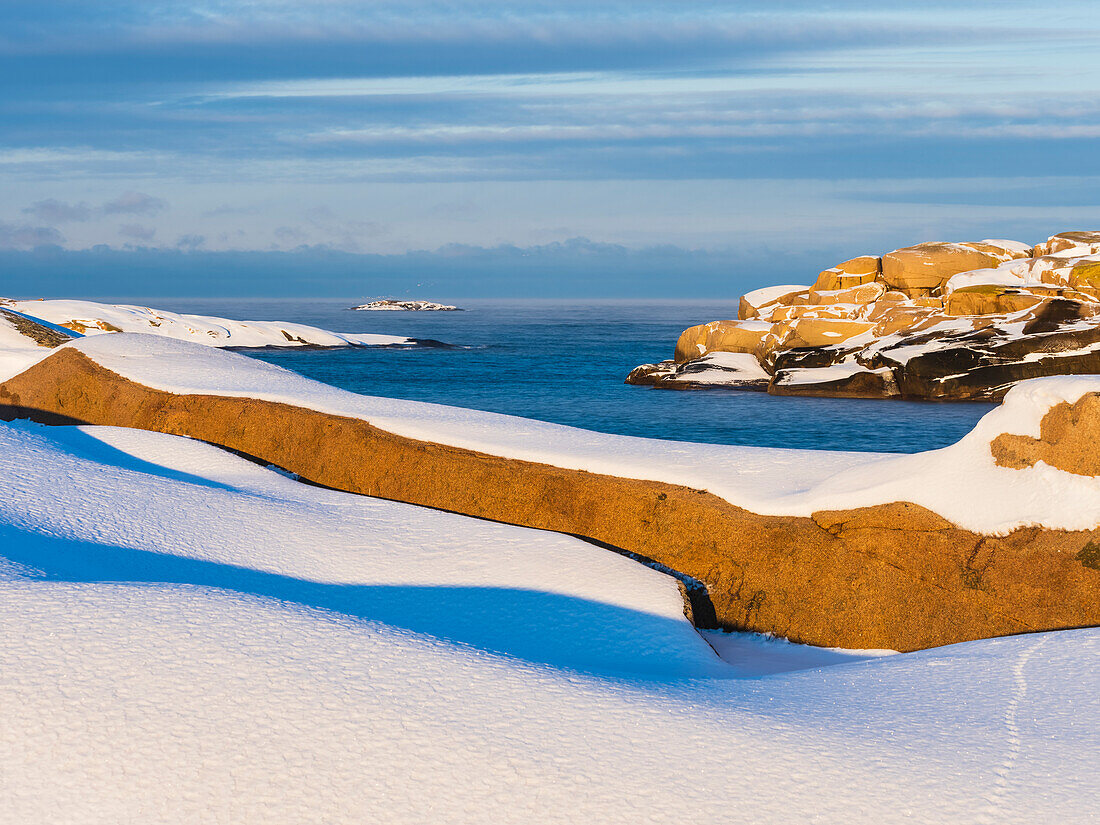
(734, 143)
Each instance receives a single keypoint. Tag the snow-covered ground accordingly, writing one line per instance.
(961, 482)
(189, 637)
(91, 318)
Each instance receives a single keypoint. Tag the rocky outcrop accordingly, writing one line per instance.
(949, 321)
(889, 576)
(392, 305)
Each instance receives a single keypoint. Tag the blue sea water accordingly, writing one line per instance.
(565, 362)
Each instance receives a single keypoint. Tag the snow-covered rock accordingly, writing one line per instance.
(91, 318)
(390, 304)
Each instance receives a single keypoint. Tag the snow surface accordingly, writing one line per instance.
(1012, 246)
(191, 638)
(960, 482)
(769, 294)
(211, 331)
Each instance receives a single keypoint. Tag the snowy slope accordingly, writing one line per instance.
(960, 482)
(191, 638)
(93, 318)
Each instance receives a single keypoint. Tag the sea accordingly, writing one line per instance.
(565, 361)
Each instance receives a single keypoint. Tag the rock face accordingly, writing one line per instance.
(947, 321)
(889, 576)
(1068, 440)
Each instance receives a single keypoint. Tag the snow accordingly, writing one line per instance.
(725, 368)
(215, 332)
(1012, 246)
(769, 294)
(1005, 275)
(193, 638)
(818, 375)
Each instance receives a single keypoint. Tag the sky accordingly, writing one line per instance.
(557, 149)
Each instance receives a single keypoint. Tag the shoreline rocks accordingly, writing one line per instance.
(944, 321)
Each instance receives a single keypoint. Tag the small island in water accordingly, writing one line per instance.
(394, 305)
(944, 321)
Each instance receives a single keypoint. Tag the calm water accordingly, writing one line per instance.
(565, 362)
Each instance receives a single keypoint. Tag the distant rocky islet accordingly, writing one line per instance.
(393, 305)
(939, 320)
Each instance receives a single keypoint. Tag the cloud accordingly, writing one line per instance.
(13, 236)
(55, 211)
(137, 231)
(191, 241)
(134, 203)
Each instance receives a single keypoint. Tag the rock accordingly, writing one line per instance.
(729, 370)
(854, 272)
(989, 300)
(649, 374)
(889, 576)
(822, 332)
(863, 294)
(985, 363)
(1085, 274)
(927, 266)
(845, 380)
(946, 320)
(1069, 440)
(42, 334)
(1078, 243)
(720, 336)
(752, 302)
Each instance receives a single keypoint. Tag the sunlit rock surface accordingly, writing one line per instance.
(935, 320)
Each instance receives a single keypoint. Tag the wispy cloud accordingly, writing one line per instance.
(25, 236)
(134, 203)
(199, 103)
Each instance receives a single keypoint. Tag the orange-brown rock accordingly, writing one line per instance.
(747, 310)
(1085, 274)
(824, 332)
(861, 270)
(989, 300)
(897, 317)
(894, 576)
(866, 293)
(927, 266)
(1087, 242)
(809, 311)
(1069, 440)
(719, 336)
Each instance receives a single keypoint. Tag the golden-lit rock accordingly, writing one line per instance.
(861, 270)
(825, 332)
(919, 269)
(720, 336)
(861, 294)
(989, 299)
